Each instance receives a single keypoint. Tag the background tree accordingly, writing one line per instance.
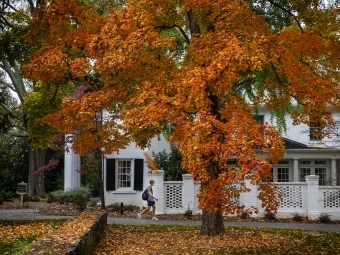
(14, 155)
(170, 163)
(204, 67)
(15, 18)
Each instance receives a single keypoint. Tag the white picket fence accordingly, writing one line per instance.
(307, 199)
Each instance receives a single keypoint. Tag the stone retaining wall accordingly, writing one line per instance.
(84, 244)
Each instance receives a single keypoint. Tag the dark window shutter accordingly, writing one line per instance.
(139, 170)
(110, 174)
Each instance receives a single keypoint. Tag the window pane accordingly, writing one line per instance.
(315, 132)
(321, 172)
(303, 172)
(124, 174)
(259, 119)
(283, 174)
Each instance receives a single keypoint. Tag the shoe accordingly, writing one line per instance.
(154, 218)
(139, 216)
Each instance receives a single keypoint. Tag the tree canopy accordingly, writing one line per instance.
(204, 67)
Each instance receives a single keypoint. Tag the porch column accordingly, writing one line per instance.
(333, 172)
(158, 189)
(71, 167)
(188, 193)
(313, 196)
(296, 170)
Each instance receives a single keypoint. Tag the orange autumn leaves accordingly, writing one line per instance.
(231, 65)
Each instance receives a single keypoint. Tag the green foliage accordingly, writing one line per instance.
(54, 179)
(46, 99)
(14, 160)
(34, 198)
(170, 163)
(80, 201)
(1, 199)
(89, 170)
(7, 195)
(63, 197)
(116, 207)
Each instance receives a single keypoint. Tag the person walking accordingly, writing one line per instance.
(151, 202)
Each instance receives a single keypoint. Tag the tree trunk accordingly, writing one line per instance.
(36, 183)
(212, 223)
(99, 156)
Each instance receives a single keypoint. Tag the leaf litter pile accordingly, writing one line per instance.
(68, 234)
(121, 239)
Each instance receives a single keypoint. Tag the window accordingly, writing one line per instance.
(303, 171)
(321, 172)
(259, 119)
(282, 171)
(315, 132)
(315, 167)
(124, 174)
(283, 174)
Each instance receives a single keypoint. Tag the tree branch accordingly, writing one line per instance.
(287, 11)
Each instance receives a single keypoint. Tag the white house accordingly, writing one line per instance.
(126, 174)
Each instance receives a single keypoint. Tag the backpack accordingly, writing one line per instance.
(145, 195)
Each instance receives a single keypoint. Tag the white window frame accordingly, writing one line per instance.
(283, 164)
(131, 161)
(313, 165)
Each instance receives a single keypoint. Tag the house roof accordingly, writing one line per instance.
(291, 144)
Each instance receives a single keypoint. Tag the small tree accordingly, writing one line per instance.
(170, 163)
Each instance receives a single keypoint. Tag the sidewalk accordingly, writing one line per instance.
(35, 215)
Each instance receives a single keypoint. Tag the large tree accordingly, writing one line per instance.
(15, 17)
(204, 67)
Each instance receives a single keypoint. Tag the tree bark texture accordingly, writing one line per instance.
(212, 221)
(36, 182)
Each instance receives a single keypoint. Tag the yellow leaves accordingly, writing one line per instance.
(12, 233)
(128, 240)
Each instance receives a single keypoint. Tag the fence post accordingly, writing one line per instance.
(250, 198)
(313, 196)
(158, 189)
(188, 193)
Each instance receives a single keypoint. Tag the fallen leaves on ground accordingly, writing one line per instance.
(12, 233)
(68, 234)
(128, 240)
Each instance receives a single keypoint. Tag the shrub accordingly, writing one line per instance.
(127, 207)
(1, 199)
(244, 215)
(269, 216)
(63, 197)
(85, 191)
(7, 196)
(80, 201)
(324, 218)
(297, 217)
(34, 198)
(58, 196)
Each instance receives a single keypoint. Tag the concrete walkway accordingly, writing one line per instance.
(30, 214)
